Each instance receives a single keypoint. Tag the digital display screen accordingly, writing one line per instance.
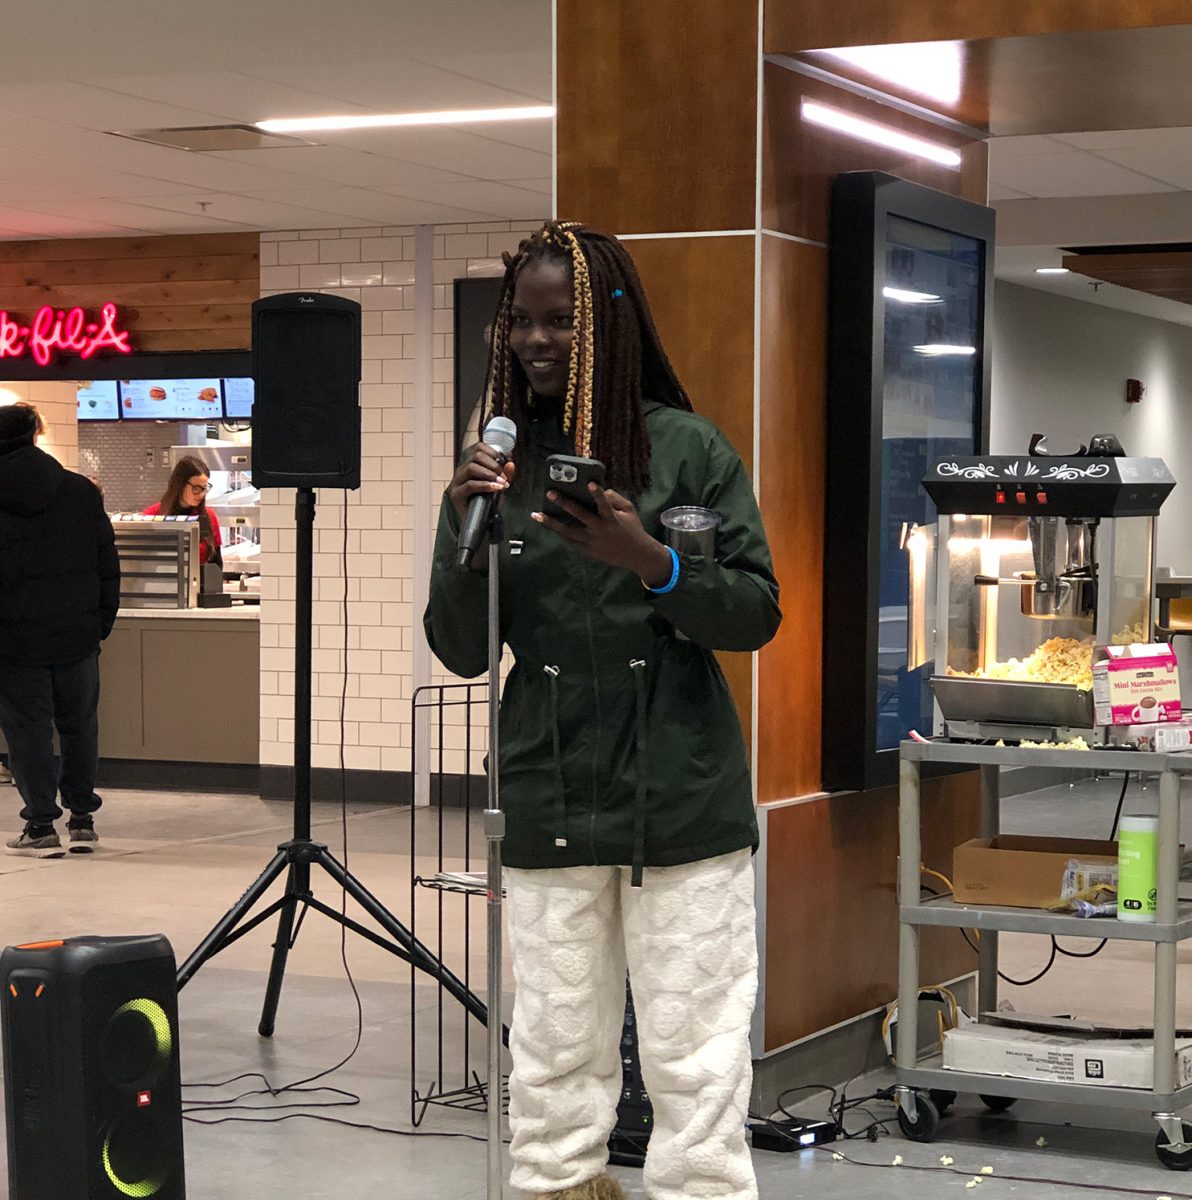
(98, 401)
(170, 399)
(931, 401)
(238, 394)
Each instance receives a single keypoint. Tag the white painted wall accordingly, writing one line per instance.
(1060, 367)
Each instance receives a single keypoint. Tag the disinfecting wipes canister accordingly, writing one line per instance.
(1138, 866)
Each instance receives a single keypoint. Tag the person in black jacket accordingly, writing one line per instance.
(59, 593)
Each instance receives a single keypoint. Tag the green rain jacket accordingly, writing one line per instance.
(620, 743)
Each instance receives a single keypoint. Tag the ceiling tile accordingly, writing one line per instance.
(1023, 147)
(523, 67)
(1166, 162)
(400, 85)
(452, 149)
(234, 96)
(998, 192)
(1069, 173)
(84, 106)
(341, 164)
(504, 200)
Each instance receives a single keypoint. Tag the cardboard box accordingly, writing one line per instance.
(1060, 1056)
(1136, 685)
(1019, 871)
(1161, 737)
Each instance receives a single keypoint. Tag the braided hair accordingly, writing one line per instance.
(617, 359)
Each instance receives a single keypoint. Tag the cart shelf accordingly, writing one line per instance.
(945, 911)
(919, 1114)
(930, 1073)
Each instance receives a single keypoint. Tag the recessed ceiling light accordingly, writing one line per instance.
(931, 69)
(903, 296)
(881, 135)
(455, 116)
(939, 349)
(1051, 271)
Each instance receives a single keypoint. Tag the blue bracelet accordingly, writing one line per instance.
(669, 585)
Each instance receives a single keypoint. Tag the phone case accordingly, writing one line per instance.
(569, 476)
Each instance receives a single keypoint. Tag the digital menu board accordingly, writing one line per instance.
(170, 399)
(238, 394)
(98, 401)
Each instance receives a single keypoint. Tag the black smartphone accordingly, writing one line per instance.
(570, 476)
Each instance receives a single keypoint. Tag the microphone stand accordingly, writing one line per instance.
(494, 834)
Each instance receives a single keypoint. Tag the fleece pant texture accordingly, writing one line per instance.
(688, 939)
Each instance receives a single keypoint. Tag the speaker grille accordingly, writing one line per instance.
(137, 1043)
(134, 1157)
(306, 415)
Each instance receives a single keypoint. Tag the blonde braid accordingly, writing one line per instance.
(581, 369)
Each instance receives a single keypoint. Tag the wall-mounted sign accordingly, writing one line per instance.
(59, 331)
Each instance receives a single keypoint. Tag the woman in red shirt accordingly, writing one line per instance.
(186, 495)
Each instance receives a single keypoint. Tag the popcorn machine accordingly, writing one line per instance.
(1038, 559)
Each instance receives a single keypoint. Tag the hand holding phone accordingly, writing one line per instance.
(570, 477)
(613, 532)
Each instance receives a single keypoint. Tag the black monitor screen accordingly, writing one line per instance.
(170, 399)
(98, 401)
(238, 394)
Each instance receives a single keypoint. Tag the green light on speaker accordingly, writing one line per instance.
(156, 1016)
(139, 1189)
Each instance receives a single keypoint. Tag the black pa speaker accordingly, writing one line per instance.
(92, 1090)
(306, 404)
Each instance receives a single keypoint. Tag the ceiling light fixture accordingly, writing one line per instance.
(1051, 271)
(455, 116)
(931, 69)
(940, 349)
(903, 296)
(880, 135)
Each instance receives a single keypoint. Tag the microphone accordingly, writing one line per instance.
(500, 434)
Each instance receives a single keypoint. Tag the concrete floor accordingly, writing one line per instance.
(174, 862)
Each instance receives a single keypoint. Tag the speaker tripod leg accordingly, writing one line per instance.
(281, 952)
(214, 941)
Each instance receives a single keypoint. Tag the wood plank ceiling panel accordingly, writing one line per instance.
(1167, 274)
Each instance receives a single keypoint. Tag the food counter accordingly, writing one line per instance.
(181, 685)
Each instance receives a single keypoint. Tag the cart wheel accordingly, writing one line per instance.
(943, 1100)
(927, 1120)
(998, 1103)
(1174, 1160)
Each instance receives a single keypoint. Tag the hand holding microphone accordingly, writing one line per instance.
(476, 485)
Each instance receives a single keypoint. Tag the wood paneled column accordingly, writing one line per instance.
(671, 132)
(657, 139)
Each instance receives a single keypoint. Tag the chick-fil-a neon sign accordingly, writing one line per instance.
(62, 331)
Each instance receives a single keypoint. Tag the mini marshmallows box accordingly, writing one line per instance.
(1136, 685)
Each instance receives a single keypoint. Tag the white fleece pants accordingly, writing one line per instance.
(688, 938)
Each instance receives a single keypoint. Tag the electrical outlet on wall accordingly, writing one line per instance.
(148, 458)
(165, 456)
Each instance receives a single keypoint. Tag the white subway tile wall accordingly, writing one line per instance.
(58, 406)
(375, 267)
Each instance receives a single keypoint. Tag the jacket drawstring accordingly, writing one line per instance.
(638, 667)
(552, 674)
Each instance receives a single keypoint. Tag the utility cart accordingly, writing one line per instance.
(921, 1082)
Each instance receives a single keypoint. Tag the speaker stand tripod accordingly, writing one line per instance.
(300, 853)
